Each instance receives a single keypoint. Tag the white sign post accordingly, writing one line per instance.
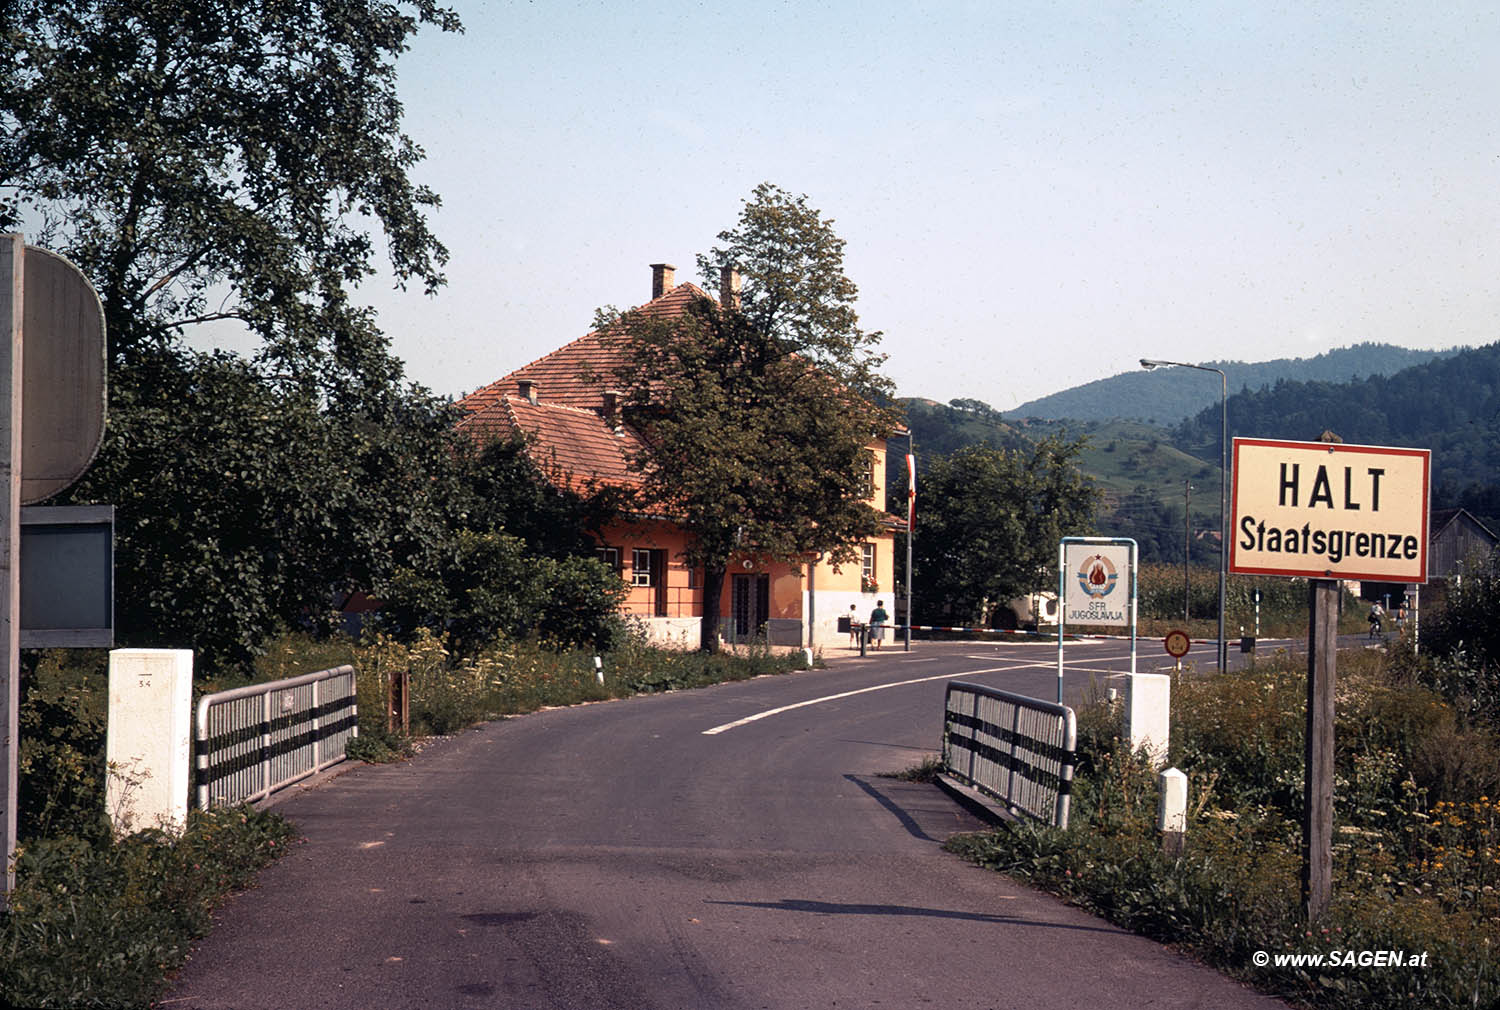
(1096, 579)
(12, 274)
(51, 421)
(1327, 511)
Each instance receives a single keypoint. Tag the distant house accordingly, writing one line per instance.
(1455, 535)
(571, 413)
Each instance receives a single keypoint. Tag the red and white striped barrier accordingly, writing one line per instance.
(898, 628)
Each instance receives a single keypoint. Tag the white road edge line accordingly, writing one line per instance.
(846, 694)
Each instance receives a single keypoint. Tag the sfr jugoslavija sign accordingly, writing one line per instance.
(1097, 582)
(1329, 511)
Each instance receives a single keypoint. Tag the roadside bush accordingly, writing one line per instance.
(101, 924)
(63, 717)
(1465, 632)
(485, 585)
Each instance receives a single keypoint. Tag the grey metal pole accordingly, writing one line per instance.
(1223, 513)
(1150, 363)
(12, 265)
(1187, 542)
(911, 483)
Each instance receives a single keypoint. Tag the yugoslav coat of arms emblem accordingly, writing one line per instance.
(1097, 576)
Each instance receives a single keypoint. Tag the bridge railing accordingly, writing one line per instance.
(1016, 750)
(252, 741)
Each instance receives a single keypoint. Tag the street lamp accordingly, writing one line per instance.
(1148, 364)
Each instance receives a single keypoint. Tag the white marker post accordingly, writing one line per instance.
(149, 739)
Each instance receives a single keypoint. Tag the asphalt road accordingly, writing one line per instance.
(617, 855)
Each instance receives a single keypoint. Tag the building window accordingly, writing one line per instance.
(640, 567)
(870, 477)
(867, 581)
(610, 556)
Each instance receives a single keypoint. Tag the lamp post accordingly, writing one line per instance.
(1148, 364)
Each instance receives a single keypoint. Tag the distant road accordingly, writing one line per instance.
(619, 855)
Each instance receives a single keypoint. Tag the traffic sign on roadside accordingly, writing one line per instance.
(1326, 510)
(62, 376)
(1177, 644)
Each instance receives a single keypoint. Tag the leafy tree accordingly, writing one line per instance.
(758, 418)
(213, 160)
(206, 160)
(796, 299)
(242, 507)
(989, 523)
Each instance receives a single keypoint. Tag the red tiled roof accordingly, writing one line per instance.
(577, 374)
(572, 445)
(568, 434)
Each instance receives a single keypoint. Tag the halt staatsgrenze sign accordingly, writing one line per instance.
(1325, 510)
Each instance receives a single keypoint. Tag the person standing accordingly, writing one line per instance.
(853, 625)
(878, 617)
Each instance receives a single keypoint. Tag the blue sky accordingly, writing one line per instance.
(1032, 195)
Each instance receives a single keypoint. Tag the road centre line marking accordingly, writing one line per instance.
(846, 694)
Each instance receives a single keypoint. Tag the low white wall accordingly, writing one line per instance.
(672, 632)
(830, 606)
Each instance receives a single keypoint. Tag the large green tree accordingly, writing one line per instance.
(988, 524)
(237, 162)
(207, 160)
(758, 416)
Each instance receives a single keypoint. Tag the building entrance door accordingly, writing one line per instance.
(750, 605)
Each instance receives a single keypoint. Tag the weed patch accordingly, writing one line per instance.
(926, 771)
(100, 924)
(450, 692)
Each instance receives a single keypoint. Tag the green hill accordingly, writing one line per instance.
(1167, 397)
(1146, 482)
(1450, 405)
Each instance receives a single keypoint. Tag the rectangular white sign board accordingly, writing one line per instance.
(1096, 583)
(1329, 511)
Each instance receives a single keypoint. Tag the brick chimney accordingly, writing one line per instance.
(663, 277)
(527, 388)
(612, 409)
(730, 283)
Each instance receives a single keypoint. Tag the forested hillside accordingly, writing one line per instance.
(1166, 397)
(1148, 475)
(1450, 405)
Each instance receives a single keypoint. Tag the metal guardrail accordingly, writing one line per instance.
(252, 741)
(1017, 750)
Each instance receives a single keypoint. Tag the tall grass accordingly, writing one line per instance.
(507, 677)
